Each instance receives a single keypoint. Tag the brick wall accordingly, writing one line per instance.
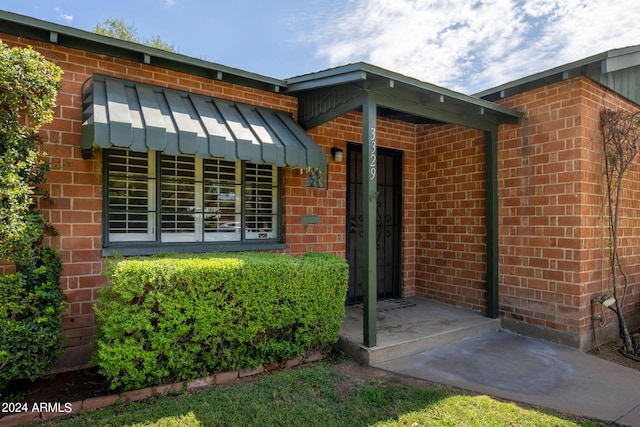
(75, 184)
(553, 238)
(553, 235)
(451, 234)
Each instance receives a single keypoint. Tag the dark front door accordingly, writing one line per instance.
(388, 223)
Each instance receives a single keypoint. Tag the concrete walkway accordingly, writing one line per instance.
(530, 371)
(425, 339)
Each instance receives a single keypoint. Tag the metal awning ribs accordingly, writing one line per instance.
(141, 117)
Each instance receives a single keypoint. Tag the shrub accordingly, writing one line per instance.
(32, 301)
(30, 319)
(177, 318)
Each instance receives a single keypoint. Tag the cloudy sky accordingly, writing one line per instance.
(464, 45)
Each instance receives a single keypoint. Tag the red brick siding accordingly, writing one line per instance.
(451, 233)
(553, 233)
(75, 184)
(553, 228)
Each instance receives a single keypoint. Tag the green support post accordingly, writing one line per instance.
(491, 158)
(369, 199)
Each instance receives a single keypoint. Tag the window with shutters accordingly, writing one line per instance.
(154, 200)
(131, 196)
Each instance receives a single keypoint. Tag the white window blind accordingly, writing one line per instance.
(222, 200)
(200, 200)
(180, 205)
(260, 213)
(131, 200)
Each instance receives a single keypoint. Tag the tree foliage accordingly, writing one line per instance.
(32, 301)
(117, 28)
(28, 88)
(621, 143)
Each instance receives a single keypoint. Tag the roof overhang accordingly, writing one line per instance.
(141, 117)
(330, 93)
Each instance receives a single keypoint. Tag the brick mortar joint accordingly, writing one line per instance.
(151, 391)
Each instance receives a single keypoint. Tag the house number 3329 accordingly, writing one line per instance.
(373, 157)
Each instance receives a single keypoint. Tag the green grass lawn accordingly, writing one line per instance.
(315, 395)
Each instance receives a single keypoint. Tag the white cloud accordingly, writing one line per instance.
(63, 16)
(169, 3)
(471, 45)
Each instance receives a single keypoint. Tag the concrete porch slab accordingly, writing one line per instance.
(409, 326)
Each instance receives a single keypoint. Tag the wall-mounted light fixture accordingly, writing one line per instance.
(337, 154)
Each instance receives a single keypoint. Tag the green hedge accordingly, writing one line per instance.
(31, 307)
(177, 318)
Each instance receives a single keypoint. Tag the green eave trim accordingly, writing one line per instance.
(328, 94)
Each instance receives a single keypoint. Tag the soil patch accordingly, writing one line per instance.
(611, 352)
(62, 388)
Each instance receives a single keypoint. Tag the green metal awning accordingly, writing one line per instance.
(126, 114)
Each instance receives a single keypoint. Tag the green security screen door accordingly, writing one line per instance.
(388, 223)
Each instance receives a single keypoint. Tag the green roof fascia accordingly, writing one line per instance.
(36, 29)
(605, 62)
(366, 73)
